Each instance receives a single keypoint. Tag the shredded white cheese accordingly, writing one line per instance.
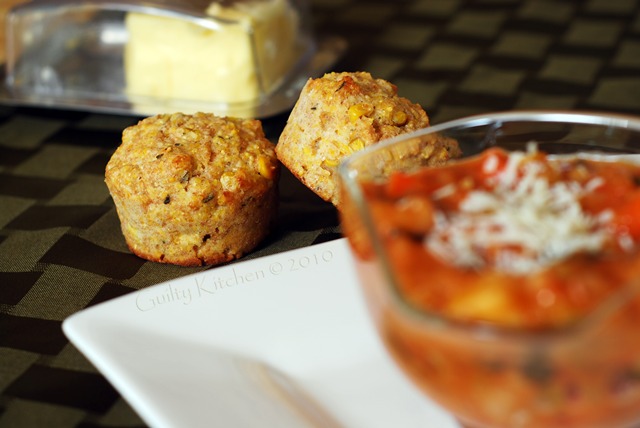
(532, 221)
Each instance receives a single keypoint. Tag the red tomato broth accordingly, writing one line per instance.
(588, 382)
(591, 379)
(555, 295)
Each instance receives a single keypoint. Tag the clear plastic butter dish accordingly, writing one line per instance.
(244, 58)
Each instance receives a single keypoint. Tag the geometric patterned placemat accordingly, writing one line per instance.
(458, 58)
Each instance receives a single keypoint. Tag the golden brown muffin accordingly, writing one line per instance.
(338, 114)
(194, 189)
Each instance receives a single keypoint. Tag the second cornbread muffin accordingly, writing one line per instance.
(194, 189)
(338, 114)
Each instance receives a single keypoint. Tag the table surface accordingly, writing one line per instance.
(60, 245)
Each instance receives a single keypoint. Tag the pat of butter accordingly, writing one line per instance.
(178, 59)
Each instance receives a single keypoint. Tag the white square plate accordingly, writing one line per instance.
(283, 340)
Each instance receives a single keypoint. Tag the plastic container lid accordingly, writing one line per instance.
(243, 58)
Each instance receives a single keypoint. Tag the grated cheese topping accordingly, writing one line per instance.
(531, 221)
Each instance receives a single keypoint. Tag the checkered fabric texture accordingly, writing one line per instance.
(60, 245)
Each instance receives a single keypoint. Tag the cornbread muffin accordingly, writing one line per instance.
(194, 189)
(338, 114)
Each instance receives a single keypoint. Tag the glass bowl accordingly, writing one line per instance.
(585, 373)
